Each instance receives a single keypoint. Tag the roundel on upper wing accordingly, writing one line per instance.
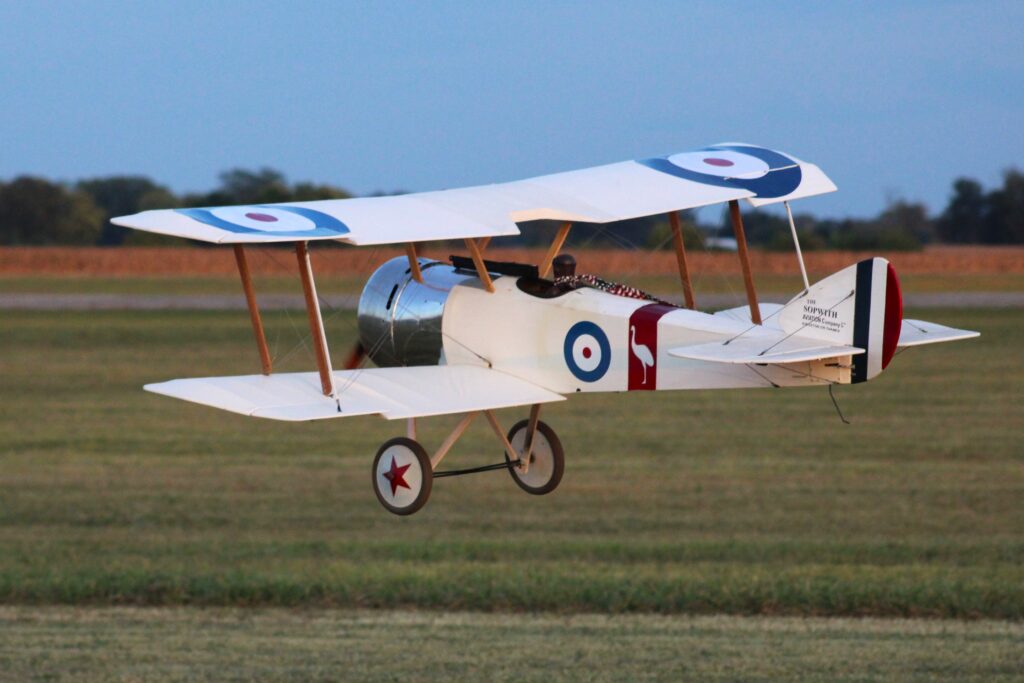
(587, 351)
(764, 172)
(273, 220)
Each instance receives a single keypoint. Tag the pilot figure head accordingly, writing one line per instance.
(564, 265)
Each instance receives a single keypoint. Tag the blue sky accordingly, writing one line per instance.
(891, 99)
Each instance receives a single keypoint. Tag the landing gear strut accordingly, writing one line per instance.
(403, 473)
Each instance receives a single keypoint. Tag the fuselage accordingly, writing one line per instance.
(580, 340)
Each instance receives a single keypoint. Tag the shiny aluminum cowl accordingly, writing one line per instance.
(399, 318)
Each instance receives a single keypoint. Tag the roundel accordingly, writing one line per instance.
(276, 220)
(587, 351)
(764, 172)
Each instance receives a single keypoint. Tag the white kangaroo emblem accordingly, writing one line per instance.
(642, 353)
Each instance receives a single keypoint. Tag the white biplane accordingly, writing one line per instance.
(472, 336)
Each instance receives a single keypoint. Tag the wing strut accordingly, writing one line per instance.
(316, 321)
(254, 311)
(684, 269)
(478, 261)
(741, 244)
(796, 243)
(414, 264)
(556, 245)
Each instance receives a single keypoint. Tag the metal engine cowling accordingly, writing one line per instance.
(399, 318)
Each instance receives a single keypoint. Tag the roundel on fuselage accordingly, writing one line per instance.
(587, 351)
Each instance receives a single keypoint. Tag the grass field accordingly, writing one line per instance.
(705, 502)
(144, 539)
(189, 644)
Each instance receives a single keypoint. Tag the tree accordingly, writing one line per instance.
(307, 192)
(660, 234)
(760, 227)
(265, 186)
(123, 195)
(963, 221)
(239, 186)
(37, 211)
(1005, 220)
(906, 222)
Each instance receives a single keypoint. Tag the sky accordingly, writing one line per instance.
(892, 100)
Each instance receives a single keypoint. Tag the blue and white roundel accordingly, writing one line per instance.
(764, 172)
(587, 351)
(277, 220)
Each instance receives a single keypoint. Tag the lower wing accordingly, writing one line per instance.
(393, 393)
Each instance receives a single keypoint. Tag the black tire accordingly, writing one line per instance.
(414, 455)
(548, 456)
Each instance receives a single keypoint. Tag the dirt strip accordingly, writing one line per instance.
(335, 260)
(274, 302)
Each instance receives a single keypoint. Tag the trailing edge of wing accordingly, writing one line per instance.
(764, 350)
(600, 194)
(394, 393)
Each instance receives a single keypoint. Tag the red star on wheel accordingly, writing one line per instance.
(397, 476)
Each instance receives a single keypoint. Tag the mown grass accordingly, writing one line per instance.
(755, 502)
(187, 644)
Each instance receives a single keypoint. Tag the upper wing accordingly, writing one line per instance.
(601, 194)
(394, 393)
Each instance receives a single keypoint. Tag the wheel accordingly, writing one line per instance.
(547, 461)
(402, 476)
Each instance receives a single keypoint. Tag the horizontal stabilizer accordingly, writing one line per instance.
(764, 349)
(393, 393)
(920, 332)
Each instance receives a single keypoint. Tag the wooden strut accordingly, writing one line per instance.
(414, 264)
(684, 269)
(556, 246)
(478, 261)
(316, 322)
(254, 311)
(531, 431)
(741, 245)
(442, 451)
(460, 429)
(512, 455)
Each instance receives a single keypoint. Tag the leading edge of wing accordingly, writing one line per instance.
(394, 393)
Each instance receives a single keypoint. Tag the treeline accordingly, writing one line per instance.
(36, 211)
(972, 216)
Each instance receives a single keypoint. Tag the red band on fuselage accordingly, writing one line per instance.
(643, 346)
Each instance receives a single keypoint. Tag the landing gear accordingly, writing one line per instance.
(402, 476)
(546, 462)
(403, 473)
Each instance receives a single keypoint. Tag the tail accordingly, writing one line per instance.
(858, 306)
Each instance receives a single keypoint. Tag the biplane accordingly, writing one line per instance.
(471, 336)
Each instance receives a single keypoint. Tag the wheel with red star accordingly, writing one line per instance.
(547, 459)
(402, 476)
